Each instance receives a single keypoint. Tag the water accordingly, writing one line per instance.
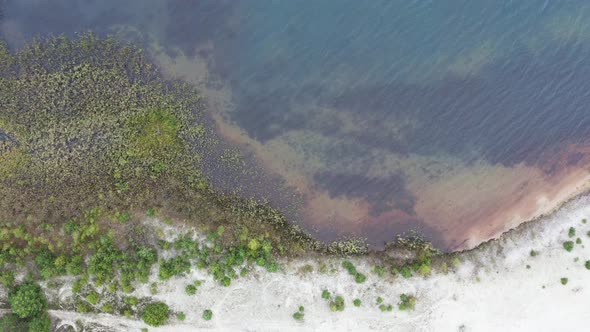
(455, 119)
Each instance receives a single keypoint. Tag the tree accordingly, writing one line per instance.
(156, 314)
(28, 300)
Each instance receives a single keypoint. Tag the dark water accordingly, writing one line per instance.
(457, 119)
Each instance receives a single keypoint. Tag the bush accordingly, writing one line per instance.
(408, 302)
(207, 314)
(150, 212)
(131, 300)
(7, 278)
(568, 246)
(107, 307)
(226, 281)
(578, 241)
(587, 265)
(379, 271)
(357, 302)
(173, 267)
(28, 300)
(11, 322)
(360, 278)
(424, 270)
(82, 308)
(386, 307)
(337, 304)
(326, 294)
(181, 316)
(93, 298)
(405, 271)
(563, 281)
(156, 314)
(533, 253)
(571, 232)
(190, 290)
(299, 314)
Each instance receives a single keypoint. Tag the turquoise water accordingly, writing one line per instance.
(385, 116)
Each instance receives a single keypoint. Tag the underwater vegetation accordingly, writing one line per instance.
(93, 141)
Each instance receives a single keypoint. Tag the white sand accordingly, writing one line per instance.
(508, 297)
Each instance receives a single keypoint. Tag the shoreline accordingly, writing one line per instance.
(493, 278)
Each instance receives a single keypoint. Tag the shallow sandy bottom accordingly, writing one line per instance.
(507, 297)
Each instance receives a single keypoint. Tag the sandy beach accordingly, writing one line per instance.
(498, 286)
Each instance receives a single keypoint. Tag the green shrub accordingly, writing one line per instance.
(587, 265)
(128, 313)
(40, 323)
(207, 314)
(360, 278)
(563, 281)
(424, 270)
(533, 253)
(379, 271)
(568, 245)
(386, 307)
(405, 271)
(113, 287)
(174, 267)
(131, 300)
(156, 314)
(150, 212)
(272, 267)
(27, 300)
(578, 241)
(407, 302)
(93, 298)
(11, 322)
(181, 316)
(107, 307)
(298, 316)
(571, 232)
(379, 300)
(123, 217)
(7, 278)
(337, 304)
(357, 302)
(326, 294)
(82, 307)
(190, 290)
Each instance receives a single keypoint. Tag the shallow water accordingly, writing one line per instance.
(458, 120)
